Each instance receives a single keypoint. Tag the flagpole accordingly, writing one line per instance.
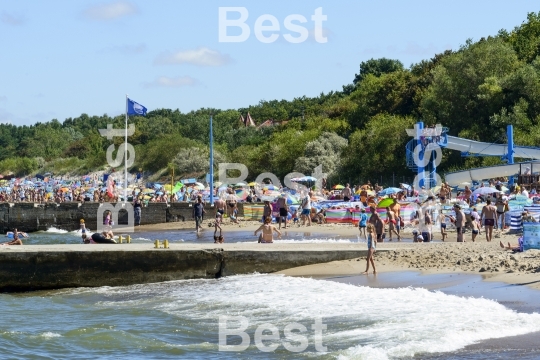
(211, 163)
(125, 153)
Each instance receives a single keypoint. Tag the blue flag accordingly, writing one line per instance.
(134, 108)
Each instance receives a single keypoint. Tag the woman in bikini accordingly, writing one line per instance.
(371, 243)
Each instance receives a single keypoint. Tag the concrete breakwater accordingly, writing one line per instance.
(33, 216)
(41, 267)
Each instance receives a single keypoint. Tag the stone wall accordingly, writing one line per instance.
(31, 217)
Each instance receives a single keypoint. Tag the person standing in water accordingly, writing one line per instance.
(137, 209)
(371, 243)
(198, 211)
(267, 229)
(362, 223)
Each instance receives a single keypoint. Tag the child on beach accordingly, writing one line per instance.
(442, 219)
(362, 223)
(372, 240)
(217, 225)
(475, 225)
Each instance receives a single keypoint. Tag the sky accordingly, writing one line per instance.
(61, 59)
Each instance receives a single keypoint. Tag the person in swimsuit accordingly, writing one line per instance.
(220, 207)
(267, 211)
(283, 210)
(475, 228)
(217, 225)
(501, 205)
(392, 222)
(459, 222)
(489, 214)
(442, 219)
(372, 244)
(267, 229)
(16, 240)
(376, 221)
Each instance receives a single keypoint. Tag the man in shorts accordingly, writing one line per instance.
(459, 221)
(501, 205)
(489, 214)
(198, 211)
(283, 210)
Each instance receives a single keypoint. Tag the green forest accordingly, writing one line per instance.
(357, 133)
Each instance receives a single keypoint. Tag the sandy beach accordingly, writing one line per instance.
(486, 259)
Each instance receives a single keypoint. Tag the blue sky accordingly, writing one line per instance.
(60, 59)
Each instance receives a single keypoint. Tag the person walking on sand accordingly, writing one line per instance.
(475, 225)
(217, 225)
(377, 222)
(306, 209)
(283, 210)
(489, 214)
(220, 206)
(459, 222)
(362, 223)
(392, 223)
(267, 229)
(371, 243)
(442, 218)
(198, 211)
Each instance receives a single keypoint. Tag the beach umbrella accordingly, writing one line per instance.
(338, 187)
(307, 178)
(218, 183)
(148, 191)
(390, 191)
(385, 202)
(159, 193)
(485, 190)
(198, 186)
(168, 187)
(291, 200)
(253, 183)
(240, 184)
(241, 194)
(270, 187)
(406, 186)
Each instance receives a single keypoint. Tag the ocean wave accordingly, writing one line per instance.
(54, 230)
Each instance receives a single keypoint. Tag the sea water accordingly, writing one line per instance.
(58, 236)
(180, 319)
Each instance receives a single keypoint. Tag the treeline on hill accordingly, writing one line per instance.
(357, 133)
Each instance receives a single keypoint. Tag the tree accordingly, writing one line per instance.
(325, 151)
(195, 160)
(377, 67)
(379, 149)
(466, 88)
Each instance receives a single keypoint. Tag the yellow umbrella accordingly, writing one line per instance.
(253, 183)
(168, 187)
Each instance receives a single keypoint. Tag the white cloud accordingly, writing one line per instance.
(165, 81)
(201, 56)
(9, 19)
(110, 11)
(127, 49)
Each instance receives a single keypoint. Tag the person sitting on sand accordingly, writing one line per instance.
(267, 230)
(371, 243)
(16, 240)
(516, 248)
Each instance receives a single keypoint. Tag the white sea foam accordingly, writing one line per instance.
(49, 335)
(54, 230)
(362, 322)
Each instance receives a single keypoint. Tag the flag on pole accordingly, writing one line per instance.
(134, 108)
